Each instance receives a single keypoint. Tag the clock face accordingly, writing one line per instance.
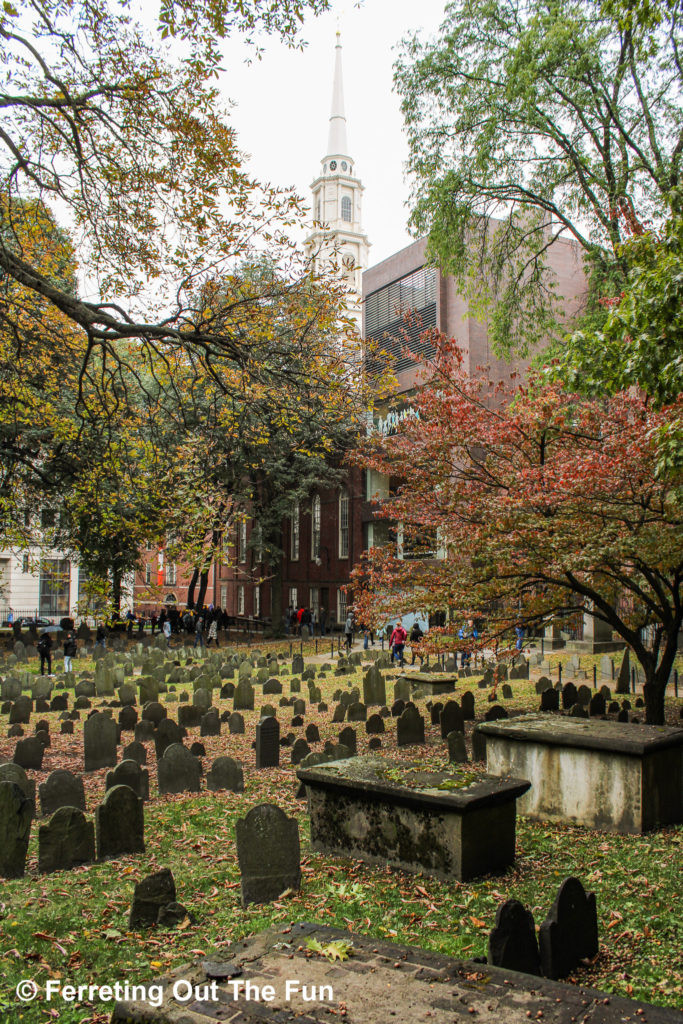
(333, 165)
(344, 165)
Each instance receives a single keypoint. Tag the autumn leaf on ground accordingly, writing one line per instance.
(340, 949)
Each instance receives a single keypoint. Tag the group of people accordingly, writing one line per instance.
(45, 652)
(295, 619)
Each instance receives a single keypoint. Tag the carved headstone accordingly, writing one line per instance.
(178, 771)
(512, 942)
(569, 933)
(119, 823)
(61, 789)
(66, 841)
(268, 743)
(99, 742)
(410, 728)
(268, 853)
(16, 814)
(225, 773)
(129, 773)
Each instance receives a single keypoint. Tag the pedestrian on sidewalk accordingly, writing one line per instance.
(398, 642)
(45, 652)
(69, 652)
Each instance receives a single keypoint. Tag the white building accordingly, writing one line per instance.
(37, 582)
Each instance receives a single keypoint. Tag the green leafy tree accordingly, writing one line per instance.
(559, 119)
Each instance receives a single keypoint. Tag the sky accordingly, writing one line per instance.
(282, 107)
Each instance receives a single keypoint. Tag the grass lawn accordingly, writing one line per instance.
(73, 925)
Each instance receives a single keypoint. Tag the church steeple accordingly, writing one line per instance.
(337, 236)
(336, 142)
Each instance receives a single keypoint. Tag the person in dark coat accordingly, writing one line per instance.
(69, 652)
(45, 652)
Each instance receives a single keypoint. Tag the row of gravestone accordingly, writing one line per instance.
(68, 839)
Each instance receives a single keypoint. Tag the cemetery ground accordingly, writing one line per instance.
(73, 925)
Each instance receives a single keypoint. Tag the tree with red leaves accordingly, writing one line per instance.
(542, 504)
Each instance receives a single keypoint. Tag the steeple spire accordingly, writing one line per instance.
(336, 142)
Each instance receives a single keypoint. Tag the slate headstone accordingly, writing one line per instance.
(268, 853)
(225, 773)
(512, 942)
(410, 728)
(119, 824)
(268, 743)
(16, 814)
(178, 771)
(61, 789)
(66, 841)
(150, 896)
(29, 753)
(569, 933)
(99, 742)
(129, 773)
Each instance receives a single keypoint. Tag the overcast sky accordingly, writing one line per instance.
(283, 107)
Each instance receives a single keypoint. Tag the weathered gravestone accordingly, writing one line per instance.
(512, 942)
(272, 686)
(312, 733)
(129, 773)
(226, 773)
(374, 725)
(410, 728)
(467, 706)
(569, 696)
(451, 719)
(357, 712)
(128, 718)
(16, 814)
(569, 933)
(300, 750)
(135, 751)
(374, 689)
(10, 772)
(402, 689)
(150, 896)
(119, 823)
(348, 738)
(268, 853)
(596, 706)
(297, 665)
(168, 733)
(154, 712)
(29, 753)
(236, 724)
(20, 712)
(624, 677)
(66, 841)
(99, 742)
(550, 700)
(268, 743)
(543, 684)
(61, 789)
(457, 748)
(178, 771)
(244, 696)
(210, 723)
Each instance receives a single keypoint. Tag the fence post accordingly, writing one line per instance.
(595, 677)
(633, 680)
(559, 672)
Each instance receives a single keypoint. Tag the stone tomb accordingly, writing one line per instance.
(432, 684)
(602, 774)
(381, 982)
(452, 824)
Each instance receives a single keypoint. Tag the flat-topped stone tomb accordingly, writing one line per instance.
(452, 824)
(613, 776)
(432, 684)
(380, 983)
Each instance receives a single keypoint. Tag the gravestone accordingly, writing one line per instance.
(145, 731)
(149, 689)
(154, 712)
(569, 696)
(339, 713)
(244, 696)
(236, 724)
(457, 748)
(297, 665)
(583, 695)
(348, 739)
(198, 749)
(268, 853)
(312, 733)
(16, 814)
(268, 711)
(29, 753)
(201, 700)
(299, 707)
(129, 773)
(168, 733)
(374, 689)
(178, 771)
(66, 841)
(402, 689)
(435, 712)
(624, 677)
(119, 824)
(225, 773)
(495, 712)
(127, 694)
(606, 667)
(150, 897)
(397, 708)
(300, 750)
(20, 712)
(597, 705)
(99, 742)
(10, 689)
(189, 716)
(550, 700)
(374, 725)
(128, 718)
(272, 686)
(451, 719)
(10, 772)
(61, 789)
(357, 712)
(210, 723)
(507, 691)
(467, 706)
(410, 728)
(512, 941)
(228, 691)
(268, 743)
(135, 751)
(569, 933)
(543, 684)
(66, 729)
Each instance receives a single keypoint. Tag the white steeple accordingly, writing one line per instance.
(336, 142)
(337, 236)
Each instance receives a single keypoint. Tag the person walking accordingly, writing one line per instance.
(398, 642)
(45, 652)
(166, 630)
(213, 631)
(323, 620)
(348, 631)
(69, 652)
(101, 636)
(416, 634)
(199, 632)
(519, 633)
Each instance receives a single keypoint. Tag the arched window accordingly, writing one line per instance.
(294, 533)
(344, 523)
(315, 526)
(346, 208)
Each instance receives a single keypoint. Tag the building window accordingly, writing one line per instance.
(385, 318)
(55, 577)
(341, 606)
(344, 524)
(314, 599)
(257, 602)
(257, 540)
(224, 596)
(24, 563)
(47, 518)
(293, 598)
(27, 517)
(317, 210)
(315, 527)
(242, 541)
(294, 533)
(148, 574)
(346, 208)
(240, 600)
(170, 574)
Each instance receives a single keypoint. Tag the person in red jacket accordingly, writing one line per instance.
(398, 642)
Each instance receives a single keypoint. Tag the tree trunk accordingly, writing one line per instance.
(190, 589)
(276, 598)
(657, 678)
(204, 582)
(116, 592)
